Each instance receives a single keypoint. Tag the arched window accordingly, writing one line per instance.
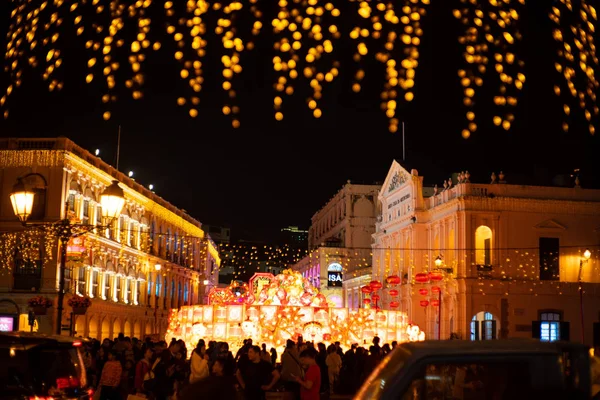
(483, 246)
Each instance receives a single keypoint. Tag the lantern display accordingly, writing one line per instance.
(435, 289)
(422, 277)
(393, 293)
(435, 302)
(424, 303)
(375, 285)
(436, 276)
(393, 280)
(272, 323)
(366, 289)
(423, 292)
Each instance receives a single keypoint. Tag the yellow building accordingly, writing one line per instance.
(154, 257)
(510, 258)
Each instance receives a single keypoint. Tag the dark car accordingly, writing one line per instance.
(41, 367)
(494, 369)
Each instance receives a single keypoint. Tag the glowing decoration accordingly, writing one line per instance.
(382, 29)
(423, 292)
(435, 289)
(393, 292)
(491, 35)
(375, 297)
(367, 301)
(435, 303)
(422, 277)
(313, 331)
(424, 303)
(393, 280)
(306, 31)
(394, 304)
(366, 289)
(436, 276)
(577, 61)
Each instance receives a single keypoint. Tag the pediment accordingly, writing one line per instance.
(550, 224)
(397, 177)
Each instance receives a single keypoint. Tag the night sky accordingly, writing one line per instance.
(267, 174)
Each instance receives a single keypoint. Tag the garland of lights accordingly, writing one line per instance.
(305, 35)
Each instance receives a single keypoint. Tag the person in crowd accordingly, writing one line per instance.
(256, 376)
(199, 363)
(339, 350)
(385, 349)
(264, 354)
(216, 386)
(376, 344)
(225, 355)
(394, 344)
(111, 378)
(334, 366)
(310, 385)
(322, 363)
(273, 356)
(142, 371)
(127, 379)
(164, 369)
(290, 367)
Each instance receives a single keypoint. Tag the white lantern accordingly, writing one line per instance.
(22, 201)
(112, 201)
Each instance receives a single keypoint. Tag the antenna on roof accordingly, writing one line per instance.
(403, 147)
(118, 146)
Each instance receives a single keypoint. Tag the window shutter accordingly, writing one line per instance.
(493, 327)
(565, 331)
(482, 330)
(536, 329)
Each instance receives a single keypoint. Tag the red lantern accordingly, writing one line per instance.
(366, 289)
(393, 280)
(394, 304)
(436, 276)
(375, 297)
(367, 301)
(423, 292)
(422, 277)
(435, 289)
(435, 303)
(375, 285)
(424, 303)
(393, 293)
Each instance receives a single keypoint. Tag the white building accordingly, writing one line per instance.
(339, 241)
(510, 257)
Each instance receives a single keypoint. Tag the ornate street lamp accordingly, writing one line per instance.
(586, 257)
(112, 201)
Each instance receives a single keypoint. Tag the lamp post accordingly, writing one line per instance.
(112, 201)
(438, 264)
(586, 257)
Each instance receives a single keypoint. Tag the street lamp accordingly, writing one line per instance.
(586, 257)
(438, 262)
(112, 201)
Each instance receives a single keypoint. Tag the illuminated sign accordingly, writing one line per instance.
(7, 324)
(334, 279)
(335, 267)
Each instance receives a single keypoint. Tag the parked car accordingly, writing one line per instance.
(41, 367)
(494, 369)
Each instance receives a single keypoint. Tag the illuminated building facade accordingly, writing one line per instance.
(339, 241)
(153, 258)
(508, 257)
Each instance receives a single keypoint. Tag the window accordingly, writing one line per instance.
(186, 293)
(98, 215)
(81, 281)
(511, 377)
(126, 291)
(106, 288)
(149, 284)
(158, 285)
(27, 274)
(86, 210)
(95, 290)
(483, 246)
(68, 279)
(118, 289)
(483, 326)
(71, 201)
(179, 294)
(173, 294)
(550, 327)
(549, 259)
(165, 292)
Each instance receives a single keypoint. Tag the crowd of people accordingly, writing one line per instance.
(160, 371)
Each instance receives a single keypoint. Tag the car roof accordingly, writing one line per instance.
(29, 340)
(463, 347)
